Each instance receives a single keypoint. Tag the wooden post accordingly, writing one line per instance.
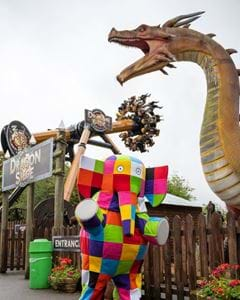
(4, 233)
(72, 176)
(29, 226)
(59, 183)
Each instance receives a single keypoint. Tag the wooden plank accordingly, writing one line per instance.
(156, 272)
(203, 249)
(178, 256)
(12, 240)
(238, 240)
(4, 233)
(191, 259)
(210, 242)
(146, 278)
(167, 268)
(29, 225)
(18, 249)
(151, 271)
(23, 249)
(184, 255)
(232, 239)
(216, 225)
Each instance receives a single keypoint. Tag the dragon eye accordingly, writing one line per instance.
(120, 168)
(138, 171)
(142, 28)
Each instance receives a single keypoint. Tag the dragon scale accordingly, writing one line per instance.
(220, 174)
(220, 134)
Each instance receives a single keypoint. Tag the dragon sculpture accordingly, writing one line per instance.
(220, 132)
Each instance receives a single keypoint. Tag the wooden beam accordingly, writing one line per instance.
(29, 225)
(59, 183)
(4, 233)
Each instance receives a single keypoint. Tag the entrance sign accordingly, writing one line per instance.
(66, 243)
(29, 165)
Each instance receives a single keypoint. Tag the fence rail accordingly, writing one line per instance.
(193, 249)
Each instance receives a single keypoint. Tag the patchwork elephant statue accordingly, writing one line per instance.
(115, 226)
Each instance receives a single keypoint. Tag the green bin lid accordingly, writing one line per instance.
(40, 245)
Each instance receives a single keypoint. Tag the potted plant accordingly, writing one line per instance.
(223, 283)
(64, 276)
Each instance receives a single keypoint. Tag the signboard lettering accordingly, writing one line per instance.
(66, 243)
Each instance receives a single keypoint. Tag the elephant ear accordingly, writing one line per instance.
(156, 184)
(90, 176)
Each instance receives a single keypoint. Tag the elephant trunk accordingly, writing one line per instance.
(127, 204)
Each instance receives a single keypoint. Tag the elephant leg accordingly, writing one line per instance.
(154, 229)
(128, 286)
(96, 286)
(90, 216)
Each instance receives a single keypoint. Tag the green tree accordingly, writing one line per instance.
(178, 186)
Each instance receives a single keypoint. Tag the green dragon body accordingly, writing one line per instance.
(220, 132)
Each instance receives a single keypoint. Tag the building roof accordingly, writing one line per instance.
(175, 200)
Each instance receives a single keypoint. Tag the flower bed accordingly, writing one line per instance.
(64, 276)
(224, 283)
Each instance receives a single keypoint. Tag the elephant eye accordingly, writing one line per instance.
(120, 168)
(138, 171)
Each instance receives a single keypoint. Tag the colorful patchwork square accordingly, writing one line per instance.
(135, 184)
(99, 236)
(95, 264)
(160, 186)
(113, 218)
(112, 250)
(137, 169)
(129, 252)
(107, 183)
(136, 267)
(85, 177)
(113, 233)
(124, 266)
(109, 266)
(122, 281)
(109, 166)
(136, 281)
(85, 261)
(96, 248)
(122, 166)
(101, 284)
(141, 252)
(121, 182)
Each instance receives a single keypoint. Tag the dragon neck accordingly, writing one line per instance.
(220, 137)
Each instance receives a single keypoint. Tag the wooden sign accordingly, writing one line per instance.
(29, 165)
(66, 243)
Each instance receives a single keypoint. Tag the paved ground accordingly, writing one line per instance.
(13, 286)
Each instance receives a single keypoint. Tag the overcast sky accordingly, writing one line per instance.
(55, 61)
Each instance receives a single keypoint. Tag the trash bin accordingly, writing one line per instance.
(40, 263)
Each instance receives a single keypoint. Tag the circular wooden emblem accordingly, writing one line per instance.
(17, 137)
(98, 121)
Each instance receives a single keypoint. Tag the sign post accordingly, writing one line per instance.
(3, 235)
(29, 227)
(59, 183)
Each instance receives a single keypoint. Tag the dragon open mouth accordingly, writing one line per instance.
(156, 54)
(136, 43)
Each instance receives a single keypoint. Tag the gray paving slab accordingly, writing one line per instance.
(13, 286)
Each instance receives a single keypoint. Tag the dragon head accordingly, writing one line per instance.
(154, 41)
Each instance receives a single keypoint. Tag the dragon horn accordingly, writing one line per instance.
(189, 18)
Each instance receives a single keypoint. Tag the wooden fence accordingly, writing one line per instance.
(191, 252)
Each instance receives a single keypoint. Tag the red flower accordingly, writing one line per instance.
(65, 261)
(234, 282)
